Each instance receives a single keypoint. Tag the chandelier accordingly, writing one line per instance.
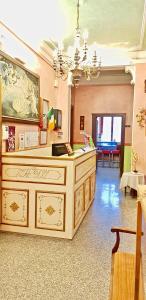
(79, 60)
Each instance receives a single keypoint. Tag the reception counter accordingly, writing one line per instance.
(46, 195)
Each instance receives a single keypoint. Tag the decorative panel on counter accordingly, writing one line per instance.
(50, 210)
(34, 173)
(15, 207)
(93, 184)
(84, 167)
(79, 204)
(87, 192)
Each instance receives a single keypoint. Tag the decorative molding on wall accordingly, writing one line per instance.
(114, 75)
(132, 71)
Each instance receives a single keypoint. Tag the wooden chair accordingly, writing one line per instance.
(127, 279)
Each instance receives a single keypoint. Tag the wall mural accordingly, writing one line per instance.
(20, 91)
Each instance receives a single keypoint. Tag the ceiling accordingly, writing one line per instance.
(112, 24)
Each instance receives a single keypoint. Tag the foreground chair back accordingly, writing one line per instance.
(126, 274)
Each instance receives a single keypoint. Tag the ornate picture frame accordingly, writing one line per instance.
(44, 112)
(20, 92)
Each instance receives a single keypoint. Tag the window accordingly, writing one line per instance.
(109, 129)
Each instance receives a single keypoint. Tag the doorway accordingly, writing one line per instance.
(108, 132)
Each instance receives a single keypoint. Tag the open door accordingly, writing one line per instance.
(110, 128)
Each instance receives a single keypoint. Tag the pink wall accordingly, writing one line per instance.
(58, 97)
(102, 99)
(139, 134)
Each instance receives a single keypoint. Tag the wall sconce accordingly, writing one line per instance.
(141, 117)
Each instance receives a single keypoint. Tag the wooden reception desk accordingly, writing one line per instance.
(46, 195)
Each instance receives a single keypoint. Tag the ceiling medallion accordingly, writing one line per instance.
(79, 61)
(50, 210)
(14, 206)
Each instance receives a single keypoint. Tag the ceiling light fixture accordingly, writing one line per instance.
(80, 61)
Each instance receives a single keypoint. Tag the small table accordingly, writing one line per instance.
(132, 180)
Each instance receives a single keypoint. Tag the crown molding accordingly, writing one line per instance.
(132, 71)
(25, 44)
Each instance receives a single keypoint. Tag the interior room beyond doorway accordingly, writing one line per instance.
(108, 140)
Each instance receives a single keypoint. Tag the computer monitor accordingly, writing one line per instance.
(59, 149)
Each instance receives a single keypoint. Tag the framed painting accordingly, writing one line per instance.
(20, 91)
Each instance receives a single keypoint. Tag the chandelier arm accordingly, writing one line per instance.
(78, 14)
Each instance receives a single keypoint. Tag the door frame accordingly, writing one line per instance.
(0, 144)
(94, 133)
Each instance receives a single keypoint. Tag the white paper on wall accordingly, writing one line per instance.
(5, 131)
(31, 139)
(21, 141)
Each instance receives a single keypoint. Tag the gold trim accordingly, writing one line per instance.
(23, 190)
(29, 165)
(76, 224)
(50, 210)
(14, 206)
(76, 181)
(64, 210)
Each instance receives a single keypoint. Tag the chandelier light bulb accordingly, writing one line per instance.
(60, 45)
(85, 35)
(55, 53)
(70, 51)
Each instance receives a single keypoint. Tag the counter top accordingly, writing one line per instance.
(42, 153)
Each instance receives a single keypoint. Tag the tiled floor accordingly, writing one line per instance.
(41, 268)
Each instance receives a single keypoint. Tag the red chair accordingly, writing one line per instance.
(115, 157)
(106, 157)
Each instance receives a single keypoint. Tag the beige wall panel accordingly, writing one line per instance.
(93, 184)
(84, 167)
(39, 174)
(87, 192)
(15, 207)
(79, 205)
(50, 211)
